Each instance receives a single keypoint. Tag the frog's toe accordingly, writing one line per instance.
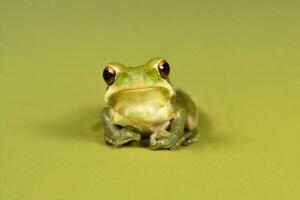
(135, 136)
(111, 141)
(190, 140)
(160, 144)
(129, 135)
(162, 140)
(164, 144)
(122, 138)
(117, 143)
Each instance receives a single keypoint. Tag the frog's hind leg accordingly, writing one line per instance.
(191, 129)
(191, 134)
(186, 139)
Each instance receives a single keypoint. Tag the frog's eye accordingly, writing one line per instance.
(109, 75)
(164, 69)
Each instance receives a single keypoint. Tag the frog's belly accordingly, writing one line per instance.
(146, 121)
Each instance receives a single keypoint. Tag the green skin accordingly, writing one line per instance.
(143, 103)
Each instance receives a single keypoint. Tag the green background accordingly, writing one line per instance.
(239, 60)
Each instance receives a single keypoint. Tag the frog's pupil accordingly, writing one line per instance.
(109, 75)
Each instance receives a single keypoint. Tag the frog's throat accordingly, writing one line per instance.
(141, 108)
(144, 122)
(168, 90)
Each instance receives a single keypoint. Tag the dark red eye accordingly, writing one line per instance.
(109, 75)
(164, 69)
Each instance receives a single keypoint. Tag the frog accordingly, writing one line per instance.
(141, 103)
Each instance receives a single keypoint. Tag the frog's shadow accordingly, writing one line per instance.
(81, 125)
(207, 135)
(87, 126)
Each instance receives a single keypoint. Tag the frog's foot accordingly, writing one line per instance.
(163, 140)
(190, 137)
(122, 136)
(166, 140)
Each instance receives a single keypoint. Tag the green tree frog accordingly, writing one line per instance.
(142, 103)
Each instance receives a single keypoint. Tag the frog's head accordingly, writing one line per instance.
(141, 85)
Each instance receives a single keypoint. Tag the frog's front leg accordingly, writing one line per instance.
(164, 139)
(114, 135)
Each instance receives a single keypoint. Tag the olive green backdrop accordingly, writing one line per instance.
(239, 60)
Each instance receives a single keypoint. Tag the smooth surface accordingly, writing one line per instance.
(238, 59)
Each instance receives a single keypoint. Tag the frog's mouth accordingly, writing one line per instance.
(140, 101)
(115, 93)
(140, 95)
